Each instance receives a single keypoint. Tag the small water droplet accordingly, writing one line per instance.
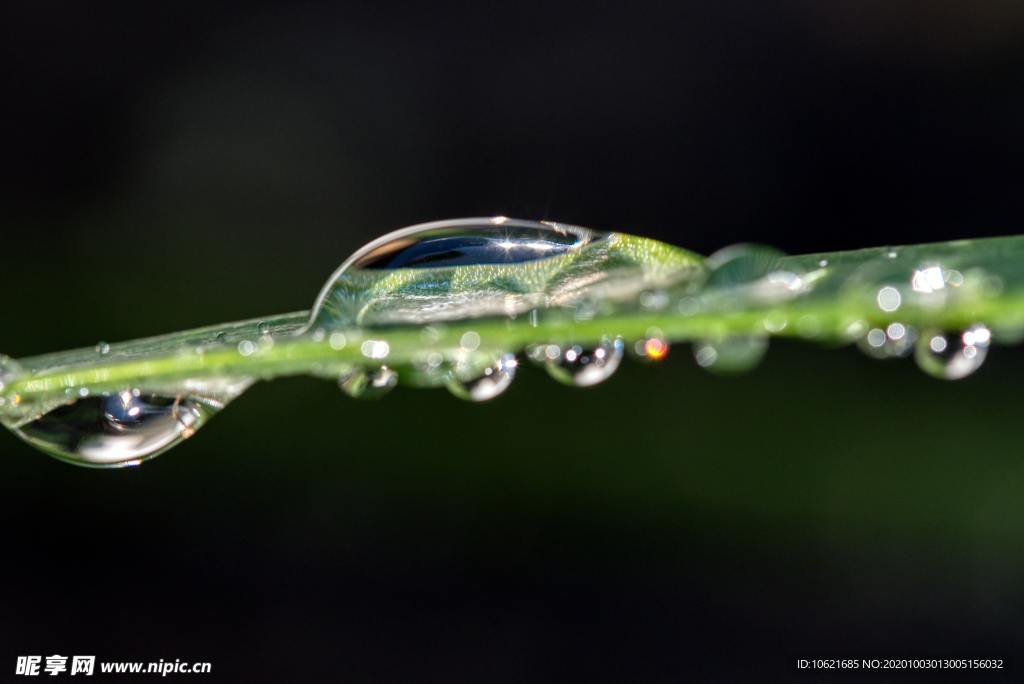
(119, 429)
(102, 348)
(374, 384)
(888, 299)
(494, 380)
(337, 340)
(655, 300)
(246, 347)
(263, 328)
(584, 366)
(742, 263)
(688, 306)
(470, 341)
(730, 355)
(652, 347)
(893, 341)
(951, 356)
(375, 349)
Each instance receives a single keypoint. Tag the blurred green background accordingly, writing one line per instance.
(170, 167)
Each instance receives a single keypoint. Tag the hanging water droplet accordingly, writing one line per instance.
(360, 384)
(494, 380)
(951, 356)
(102, 348)
(652, 347)
(730, 355)
(894, 341)
(116, 429)
(584, 366)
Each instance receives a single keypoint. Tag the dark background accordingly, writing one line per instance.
(164, 167)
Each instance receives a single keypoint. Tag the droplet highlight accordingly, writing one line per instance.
(893, 341)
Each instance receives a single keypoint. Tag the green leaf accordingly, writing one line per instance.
(432, 323)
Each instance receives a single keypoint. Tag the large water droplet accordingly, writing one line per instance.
(584, 366)
(116, 429)
(427, 256)
(374, 384)
(730, 355)
(494, 380)
(951, 356)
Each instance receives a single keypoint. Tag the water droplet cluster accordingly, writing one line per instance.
(542, 272)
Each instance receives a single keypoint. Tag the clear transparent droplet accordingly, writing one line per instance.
(741, 264)
(730, 355)
(465, 242)
(584, 366)
(494, 380)
(361, 384)
(109, 430)
(893, 341)
(102, 348)
(951, 356)
(755, 272)
(428, 255)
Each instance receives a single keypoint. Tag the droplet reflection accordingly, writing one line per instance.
(116, 429)
(584, 366)
(494, 380)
